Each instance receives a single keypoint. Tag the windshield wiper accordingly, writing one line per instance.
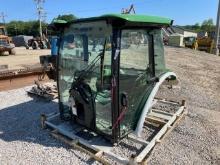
(90, 67)
(84, 72)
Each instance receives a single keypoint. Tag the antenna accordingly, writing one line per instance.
(40, 12)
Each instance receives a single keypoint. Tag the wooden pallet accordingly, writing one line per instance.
(98, 148)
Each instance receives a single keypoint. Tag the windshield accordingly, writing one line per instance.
(189, 39)
(85, 56)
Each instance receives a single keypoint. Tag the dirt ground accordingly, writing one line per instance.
(23, 58)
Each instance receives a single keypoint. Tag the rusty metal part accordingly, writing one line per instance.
(49, 92)
(17, 78)
(19, 82)
(10, 74)
(3, 67)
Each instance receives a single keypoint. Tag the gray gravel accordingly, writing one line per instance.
(22, 141)
(195, 140)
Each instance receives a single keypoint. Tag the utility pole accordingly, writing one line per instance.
(16, 32)
(44, 16)
(3, 17)
(40, 11)
(216, 50)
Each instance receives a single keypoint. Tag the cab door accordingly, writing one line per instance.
(134, 75)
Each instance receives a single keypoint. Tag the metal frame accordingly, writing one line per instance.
(149, 102)
(115, 111)
(99, 148)
(115, 72)
(115, 108)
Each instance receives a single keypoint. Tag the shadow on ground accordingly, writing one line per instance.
(22, 123)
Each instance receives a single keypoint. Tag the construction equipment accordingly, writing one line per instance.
(190, 42)
(128, 11)
(6, 44)
(108, 91)
(38, 42)
(205, 43)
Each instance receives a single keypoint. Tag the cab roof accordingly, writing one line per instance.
(139, 18)
(131, 19)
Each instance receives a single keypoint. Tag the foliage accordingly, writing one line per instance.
(31, 28)
(25, 28)
(207, 26)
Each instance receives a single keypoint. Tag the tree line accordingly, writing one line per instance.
(32, 27)
(207, 26)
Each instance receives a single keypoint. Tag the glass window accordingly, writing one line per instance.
(134, 73)
(134, 49)
(86, 53)
(159, 52)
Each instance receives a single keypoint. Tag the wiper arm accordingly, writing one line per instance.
(84, 72)
(91, 66)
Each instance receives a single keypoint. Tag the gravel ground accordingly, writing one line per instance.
(22, 141)
(194, 141)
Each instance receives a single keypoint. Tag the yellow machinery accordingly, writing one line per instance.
(205, 44)
(6, 42)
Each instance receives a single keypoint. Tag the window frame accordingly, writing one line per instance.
(116, 74)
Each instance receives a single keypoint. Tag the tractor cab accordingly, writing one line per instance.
(108, 68)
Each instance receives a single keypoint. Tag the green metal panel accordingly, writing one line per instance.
(139, 18)
(132, 18)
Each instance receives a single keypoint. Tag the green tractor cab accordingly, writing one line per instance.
(109, 70)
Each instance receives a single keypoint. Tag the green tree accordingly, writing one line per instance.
(208, 25)
(196, 27)
(24, 28)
